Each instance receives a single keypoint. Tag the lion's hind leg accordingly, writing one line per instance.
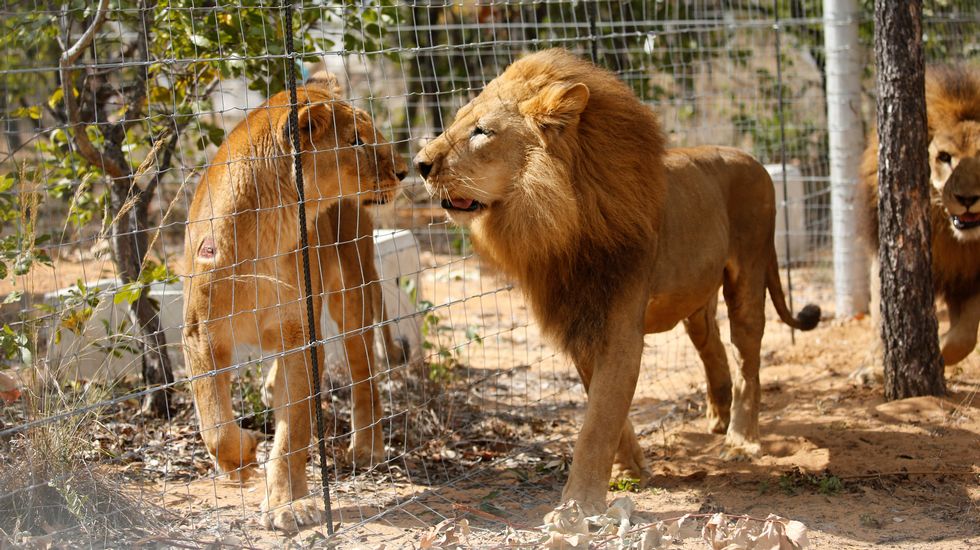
(350, 310)
(745, 298)
(352, 302)
(629, 462)
(702, 329)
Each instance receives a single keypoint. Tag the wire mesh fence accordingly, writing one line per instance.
(151, 251)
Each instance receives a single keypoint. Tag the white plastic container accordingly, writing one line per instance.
(92, 355)
(795, 205)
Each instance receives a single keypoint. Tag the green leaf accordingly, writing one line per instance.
(13, 297)
(472, 334)
(129, 293)
(216, 135)
(23, 264)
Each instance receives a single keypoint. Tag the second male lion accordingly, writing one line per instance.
(245, 281)
(953, 114)
(560, 173)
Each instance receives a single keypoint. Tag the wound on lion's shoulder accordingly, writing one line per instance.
(207, 249)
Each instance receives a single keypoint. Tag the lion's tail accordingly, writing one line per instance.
(806, 319)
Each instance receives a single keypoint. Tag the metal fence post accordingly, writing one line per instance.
(844, 69)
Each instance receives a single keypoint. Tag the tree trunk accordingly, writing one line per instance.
(913, 365)
(129, 248)
(129, 236)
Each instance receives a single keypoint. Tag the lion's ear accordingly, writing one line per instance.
(557, 106)
(315, 121)
(325, 81)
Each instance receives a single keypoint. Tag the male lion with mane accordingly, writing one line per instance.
(953, 114)
(560, 173)
(245, 281)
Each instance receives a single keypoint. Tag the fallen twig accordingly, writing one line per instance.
(489, 516)
(911, 473)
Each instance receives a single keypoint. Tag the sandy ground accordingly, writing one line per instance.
(490, 441)
(858, 471)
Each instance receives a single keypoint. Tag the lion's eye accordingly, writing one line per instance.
(944, 157)
(357, 141)
(480, 131)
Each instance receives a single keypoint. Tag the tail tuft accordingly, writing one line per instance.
(808, 317)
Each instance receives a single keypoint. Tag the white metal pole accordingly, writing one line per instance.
(844, 70)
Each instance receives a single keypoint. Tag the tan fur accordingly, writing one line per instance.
(245, 282)
(610, 238)
(953, 113)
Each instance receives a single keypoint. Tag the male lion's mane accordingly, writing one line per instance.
(588, 199)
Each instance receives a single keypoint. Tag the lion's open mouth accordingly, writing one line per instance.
(966, 220)
(462, 205)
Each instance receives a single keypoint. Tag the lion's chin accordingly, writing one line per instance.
(463, 218)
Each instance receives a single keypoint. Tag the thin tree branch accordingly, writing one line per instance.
(71, 55)
(68, 58)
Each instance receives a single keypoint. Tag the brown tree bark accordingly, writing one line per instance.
(913, 365)
(129, 207)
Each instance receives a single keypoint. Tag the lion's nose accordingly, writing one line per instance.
(422, 165)
(967, 201)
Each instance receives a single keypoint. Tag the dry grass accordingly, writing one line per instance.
(53, 487)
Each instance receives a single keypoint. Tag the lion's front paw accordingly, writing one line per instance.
(633, 471)
(958, 344)
(291, 516)
(569, 517)
(717, 424)
(365, 456)
(242, 474)
(741, 451)
(236, 456)
(868, 375)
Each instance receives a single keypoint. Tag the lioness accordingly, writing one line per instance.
(246, 282)
(953, 114)
(560, 173)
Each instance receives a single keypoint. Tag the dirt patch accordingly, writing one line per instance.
(484, 431)
(857, 471)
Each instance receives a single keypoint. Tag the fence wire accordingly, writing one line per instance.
(112, 118)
